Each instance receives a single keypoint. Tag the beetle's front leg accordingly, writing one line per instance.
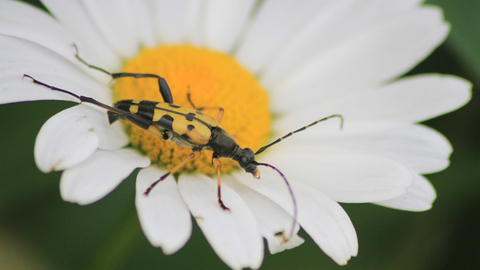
(162, 83)
(218, 165)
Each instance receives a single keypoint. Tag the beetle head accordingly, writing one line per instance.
(246, 160)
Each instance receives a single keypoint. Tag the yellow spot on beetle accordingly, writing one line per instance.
(133, 108)
(157, 114)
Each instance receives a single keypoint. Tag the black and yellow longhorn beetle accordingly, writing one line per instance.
(185, 127)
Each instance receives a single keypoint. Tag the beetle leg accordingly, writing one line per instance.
(193, 155)
(162, 84)
(220, 113)
(218, 165)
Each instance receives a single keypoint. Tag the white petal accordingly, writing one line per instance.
(73, 16)
(112, 137)
(163, 215)
(418, 147)
(65, 140)
(177, 21)
(19, 57)
(223, 22)
(114, 21)
(327, 223)
(373, 56)
(412, 99)
(142, 17)
(99, 175)
(274, 223)
(419, 197)
(71, 136)
(234, 235)
(320, 216)
(337, 21)
(345, 177)
(30, 23)
(275, 22)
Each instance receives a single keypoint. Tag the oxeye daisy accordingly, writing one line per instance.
(273, 66)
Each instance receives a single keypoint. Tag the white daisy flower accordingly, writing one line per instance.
(274, 66)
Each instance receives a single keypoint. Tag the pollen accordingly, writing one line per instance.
(213, 79)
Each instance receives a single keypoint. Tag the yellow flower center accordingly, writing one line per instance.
(213, 80)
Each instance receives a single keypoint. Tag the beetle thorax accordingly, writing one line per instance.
(222, 144)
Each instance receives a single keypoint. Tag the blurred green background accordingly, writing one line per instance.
(40, 231)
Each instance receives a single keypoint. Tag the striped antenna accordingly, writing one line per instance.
(301, 129)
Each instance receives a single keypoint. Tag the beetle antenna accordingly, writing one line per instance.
(291, 194)
(301, 129)
(129, 116)
(80, 98)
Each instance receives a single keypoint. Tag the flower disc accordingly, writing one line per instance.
(213, 80)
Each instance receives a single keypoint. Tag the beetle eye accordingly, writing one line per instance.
(244, 161)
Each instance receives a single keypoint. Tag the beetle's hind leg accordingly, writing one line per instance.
(220, 113)
(87, 64)
(218, 165)
(162, 83)
(195, 154)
